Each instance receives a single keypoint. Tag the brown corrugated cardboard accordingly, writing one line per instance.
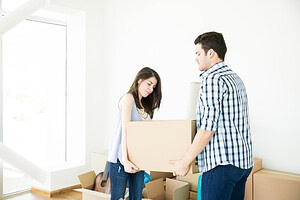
(152, 144)
(249, 184)
(157, 175)
(87, 181)
(193, 195)
(275, 185)
(192, 179)
(175, 190)
(154, 190)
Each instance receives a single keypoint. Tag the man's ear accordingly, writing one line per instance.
(211, 52)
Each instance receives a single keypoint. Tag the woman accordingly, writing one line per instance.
(139, 103)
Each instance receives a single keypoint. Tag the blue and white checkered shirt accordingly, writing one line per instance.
(222, 107)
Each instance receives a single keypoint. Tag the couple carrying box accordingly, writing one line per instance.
(222, 144)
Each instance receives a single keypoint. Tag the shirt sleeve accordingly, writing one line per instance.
(211, 98)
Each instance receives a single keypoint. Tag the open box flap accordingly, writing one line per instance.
(87, 179)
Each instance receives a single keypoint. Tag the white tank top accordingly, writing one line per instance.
(115, 149)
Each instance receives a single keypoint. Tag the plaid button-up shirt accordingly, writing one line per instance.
(222, 107)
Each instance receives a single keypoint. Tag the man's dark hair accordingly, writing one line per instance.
(212, 40)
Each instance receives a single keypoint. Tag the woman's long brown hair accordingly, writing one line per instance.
(152, 101)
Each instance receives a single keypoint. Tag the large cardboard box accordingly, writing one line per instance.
(275, 185)
(87, 182)
(249, 184)
(152, 144)
(175, 190)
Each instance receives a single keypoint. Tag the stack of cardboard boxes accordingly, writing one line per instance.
(169, 189)
(152, 144)
(160, 142)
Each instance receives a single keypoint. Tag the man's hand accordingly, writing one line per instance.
(180, 168)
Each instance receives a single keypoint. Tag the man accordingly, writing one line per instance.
(223, 141)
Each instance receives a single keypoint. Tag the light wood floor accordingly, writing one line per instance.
(70, 195)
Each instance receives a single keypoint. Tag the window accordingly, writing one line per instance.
(43, 94)
(34, 92)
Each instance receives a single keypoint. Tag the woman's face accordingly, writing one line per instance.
(146, 86)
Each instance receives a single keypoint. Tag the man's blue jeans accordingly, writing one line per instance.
(224, 182)
(118, 182)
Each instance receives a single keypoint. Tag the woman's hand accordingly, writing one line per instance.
(129, 167)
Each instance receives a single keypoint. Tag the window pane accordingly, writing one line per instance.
(34, 92)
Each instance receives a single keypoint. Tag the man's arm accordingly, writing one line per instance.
(181, 167)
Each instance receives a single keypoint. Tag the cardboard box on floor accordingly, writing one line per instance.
(152, 144)
(249, 184)
(154, 190)
(87, 182)
(192, 179)
(175, 190)
(275, 185)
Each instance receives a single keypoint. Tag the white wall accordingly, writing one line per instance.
(263, 45)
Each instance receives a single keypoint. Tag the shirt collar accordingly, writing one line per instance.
(211, 69)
